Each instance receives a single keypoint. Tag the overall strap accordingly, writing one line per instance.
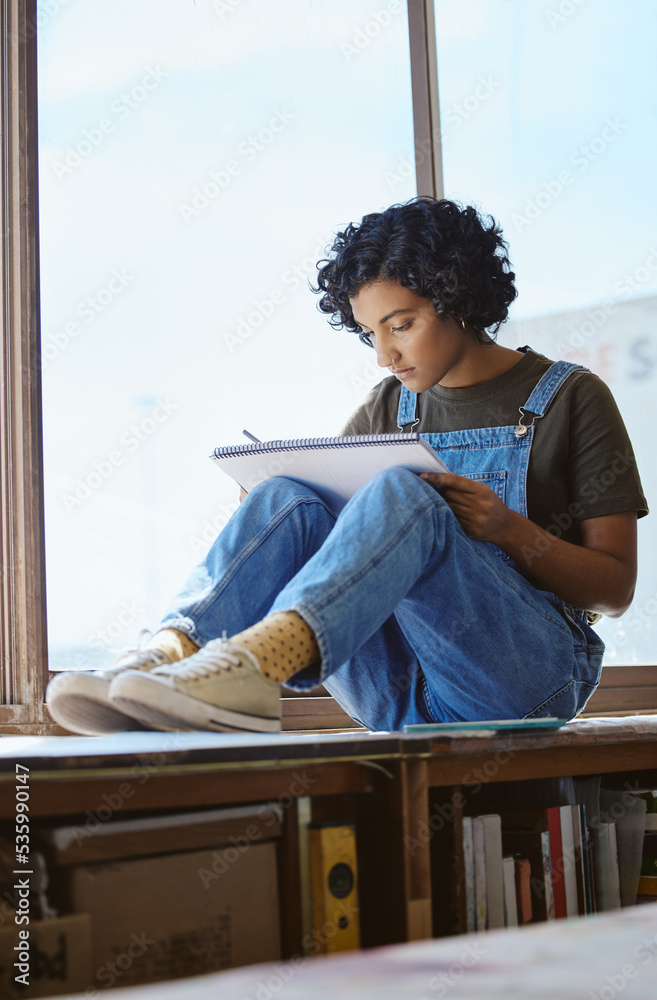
(407, 411)
(544, 392)
(537, 405)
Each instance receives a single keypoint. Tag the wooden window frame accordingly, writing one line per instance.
(23, 631)
(426, 106)
(23, 637)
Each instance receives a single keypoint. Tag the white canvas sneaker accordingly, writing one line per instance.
(219, 688)
(79, 699)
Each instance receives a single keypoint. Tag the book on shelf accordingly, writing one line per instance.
(553, 819)
(510, 896)
(569, 860)
(628, 812)
(647, 891)
(550, 911)
(478, 836)
(530, 864)
(547, 821)
(523, 890)
(587, 865)
(579, 849)
(494, 870)
(528, 845)
(594, 898)
(490, 888)
(649, 795)
(647, 882)
(605, 866)
(649, 854)
(469, 866)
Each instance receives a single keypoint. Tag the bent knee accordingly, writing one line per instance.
(397, 476)
(404, 482)
(283, 488)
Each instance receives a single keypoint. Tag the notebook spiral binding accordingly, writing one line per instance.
(314, 444)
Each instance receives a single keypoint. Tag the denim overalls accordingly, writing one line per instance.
(497, 456)
(415, 621)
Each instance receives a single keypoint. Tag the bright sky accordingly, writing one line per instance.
(195, 160)
(557, 108)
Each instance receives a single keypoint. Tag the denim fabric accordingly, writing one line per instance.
(415, 621)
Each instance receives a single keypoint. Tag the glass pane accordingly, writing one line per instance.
(196, 158)
(548, 123)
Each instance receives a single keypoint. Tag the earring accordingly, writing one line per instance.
(462, 324)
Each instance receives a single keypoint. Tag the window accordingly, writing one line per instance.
(194, 161)
(189, 182)
(548, 122)
(237, 142)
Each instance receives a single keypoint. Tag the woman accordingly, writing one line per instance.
(461, 596)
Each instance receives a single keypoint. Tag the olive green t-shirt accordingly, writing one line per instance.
(581, 462)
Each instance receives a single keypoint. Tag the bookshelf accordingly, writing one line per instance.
(406, 795)
(474, 776)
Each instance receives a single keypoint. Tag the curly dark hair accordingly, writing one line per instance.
(438, 249)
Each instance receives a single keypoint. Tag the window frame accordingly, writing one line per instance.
(23, 636)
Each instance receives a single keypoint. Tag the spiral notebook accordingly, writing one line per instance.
(334, 467)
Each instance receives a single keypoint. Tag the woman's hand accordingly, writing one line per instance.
(599, 574)
(477, 508)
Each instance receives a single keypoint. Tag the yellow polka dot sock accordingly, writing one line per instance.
(177, 645)
(282, 644)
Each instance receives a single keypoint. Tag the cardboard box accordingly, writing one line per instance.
(98, 840)
(58, 958)
(179, 914)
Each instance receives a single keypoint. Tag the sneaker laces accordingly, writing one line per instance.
(216, 655)
(146, 655)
